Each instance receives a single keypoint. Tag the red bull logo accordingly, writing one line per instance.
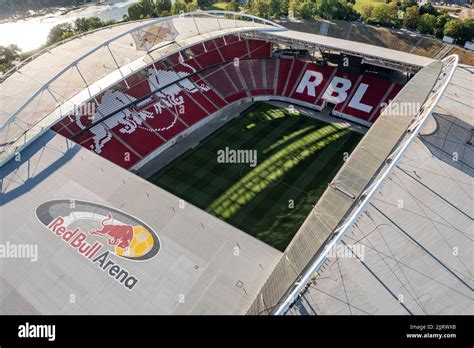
(99, 233)
(119, 235)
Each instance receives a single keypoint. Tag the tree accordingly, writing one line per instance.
(109, 22)
(335, 9)
(404, 4)
(428, 8)
(141, 9)
(441, 21)
(162, 6)
(261, 8)
(293, 9)
(232, 6)
(178, 7)
(410, 20)
(468, 31)
(308, 9)
(9, 54)
(453, 28)
(277, 7)
(203, 3)
(60, 32)
(248, 5)
(134, 11)
(148, 7)
(379, 14)
(192, 6)
(427, 24)
(82, 25)
(366, 12)
(386, 14)
(462, 31)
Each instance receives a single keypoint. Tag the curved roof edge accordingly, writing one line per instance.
(147, 22)
(140, 27)
(372, 54)
(25, 115)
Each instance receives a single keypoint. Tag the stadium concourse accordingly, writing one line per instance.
(73, 137)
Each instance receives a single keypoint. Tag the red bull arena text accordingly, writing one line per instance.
(101, 234)
(77, 239)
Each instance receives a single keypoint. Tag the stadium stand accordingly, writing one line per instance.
(374, 90)
(161, 101)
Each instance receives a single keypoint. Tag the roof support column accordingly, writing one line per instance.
(197, 28)
(118, 66)
(84, 80)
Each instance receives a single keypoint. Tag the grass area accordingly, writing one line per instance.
(361, 3)
(297, 157)
(218, 6)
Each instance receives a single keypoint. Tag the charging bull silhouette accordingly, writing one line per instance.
(170, 96)
(119, 235)
(128, 119)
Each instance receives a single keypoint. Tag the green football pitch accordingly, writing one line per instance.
(297, 157)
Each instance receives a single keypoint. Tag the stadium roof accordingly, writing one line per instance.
(414, 240)
(66, 75)
(197, 256)
(370, 53)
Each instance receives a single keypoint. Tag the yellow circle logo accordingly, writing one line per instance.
(142, 243)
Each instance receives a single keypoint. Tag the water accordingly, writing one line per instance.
(31, 33)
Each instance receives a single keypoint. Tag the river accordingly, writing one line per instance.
(31, 33)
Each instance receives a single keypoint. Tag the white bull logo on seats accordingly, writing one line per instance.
(128, 118)
(170, 96)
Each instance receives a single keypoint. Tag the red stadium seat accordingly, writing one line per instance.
(247, 74)
(204, 102)
(166, 122)
(78, 119)
(139, 90)
(293, 79)
(372, 96)
(62, 129)
(259, 49)
(267, 69)
(143, 140)
(231, 38)
(393, 93)
(209, 59)
(311, 95)
(235, 50)
(219, 79)
(211, 94)
(114, 150)
(335, 96)
(283, 71)
(190, 112)
(237, 96)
